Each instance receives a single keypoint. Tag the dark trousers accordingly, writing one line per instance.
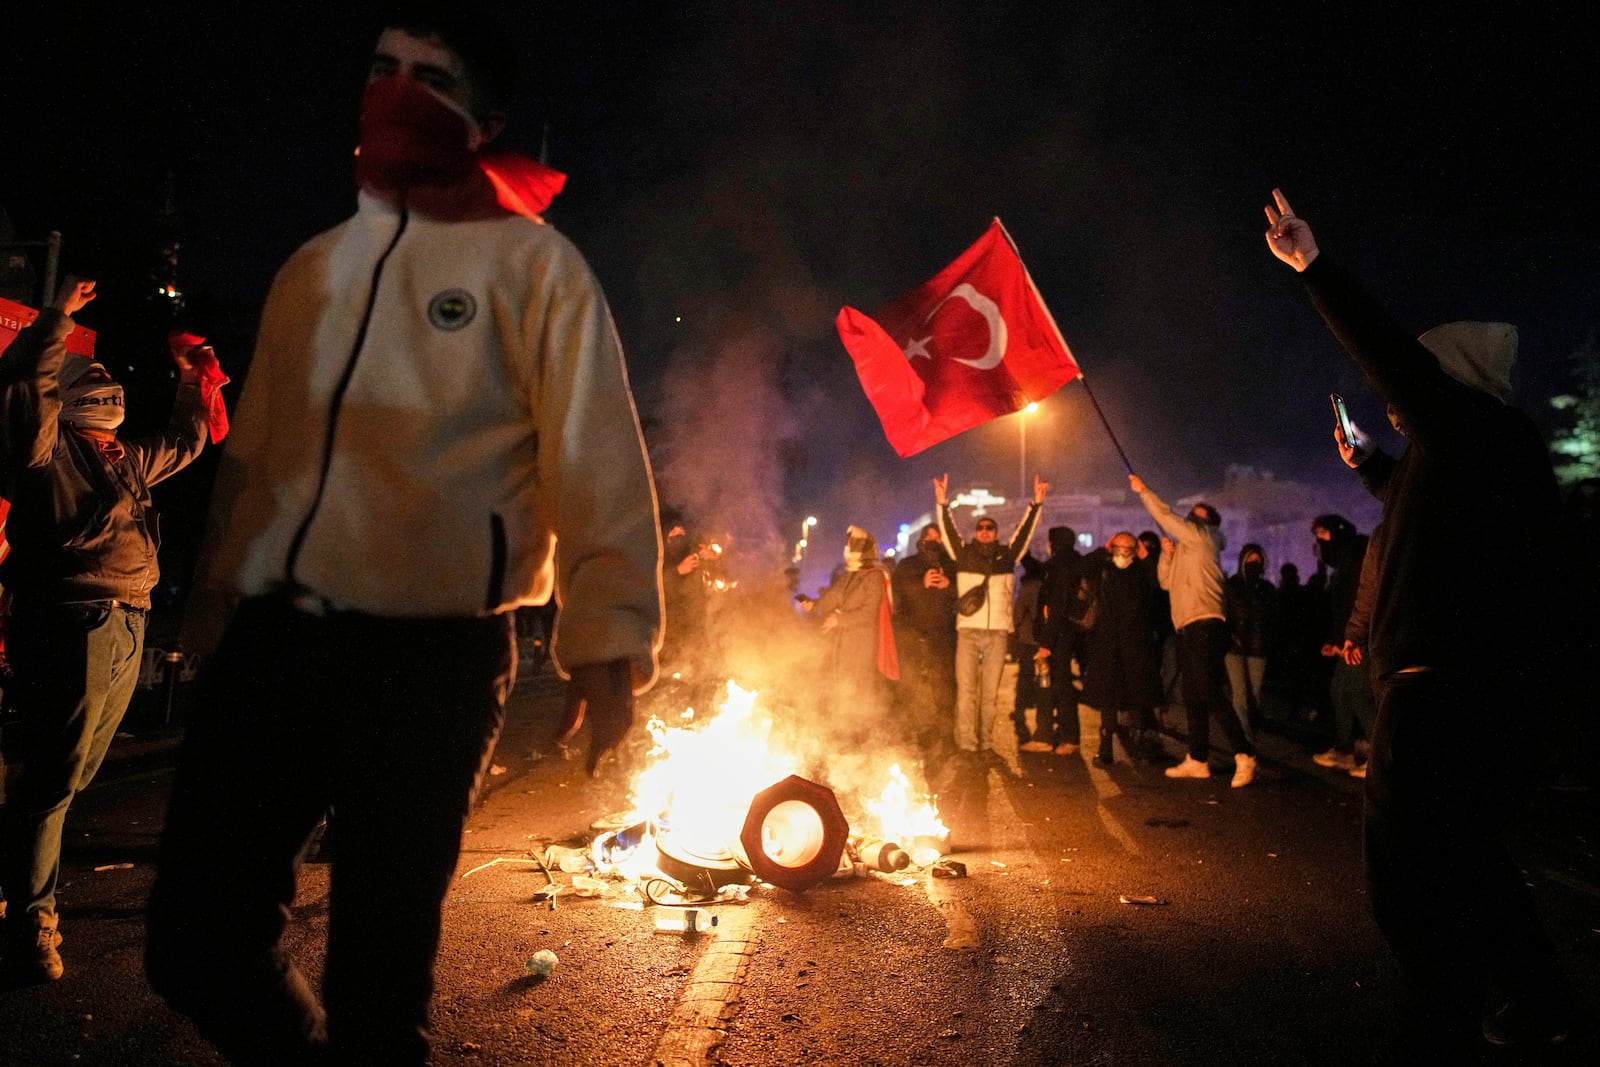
(1202, 664)
(1446, 895)
(389, 722)
(76, 669)
(1058, 703)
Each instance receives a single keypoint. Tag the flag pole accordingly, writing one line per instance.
(1109, 431)
(1065, 348)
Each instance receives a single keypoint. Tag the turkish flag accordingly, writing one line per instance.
(972, 344)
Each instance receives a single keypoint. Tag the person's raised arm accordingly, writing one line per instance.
(947, 523)
(1434, 407)
(29, 368)
(1030, 520)
(1157, 508)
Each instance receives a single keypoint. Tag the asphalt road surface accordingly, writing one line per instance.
(1259, 948)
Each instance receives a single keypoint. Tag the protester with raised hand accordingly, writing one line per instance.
(1445, 892)
(83, 536)
(1190, 570)
(985, 586)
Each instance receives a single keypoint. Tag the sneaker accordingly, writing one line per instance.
(1244, 769)
(1034, 746)
(35, 960)
(1516, 1024)
(1189, 768)
(1066, 748)
(1333, 758)
(1358, 770)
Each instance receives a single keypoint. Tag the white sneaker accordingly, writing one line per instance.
(1189, 768)
(1358, 771)
(1334, 759)
(1034, 746)
(1244, 769)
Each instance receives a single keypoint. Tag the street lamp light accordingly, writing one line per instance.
(1022, 448)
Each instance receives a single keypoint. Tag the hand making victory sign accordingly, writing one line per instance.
(1288, 235)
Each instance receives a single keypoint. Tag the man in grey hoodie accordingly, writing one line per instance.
(1191, 571)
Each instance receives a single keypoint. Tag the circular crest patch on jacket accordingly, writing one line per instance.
(452, 309)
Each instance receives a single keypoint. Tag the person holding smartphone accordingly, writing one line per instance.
(1473, 490)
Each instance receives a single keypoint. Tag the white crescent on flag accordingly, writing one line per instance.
(991, 314)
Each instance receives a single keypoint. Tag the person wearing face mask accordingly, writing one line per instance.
(1473, 489)
(1190, 570)
(1250, 603)
(1343, 551)
(925, 633)
(438, 397)
(1121, 672)
(82, 564)
(856, 615)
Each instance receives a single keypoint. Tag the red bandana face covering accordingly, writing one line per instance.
(411, 137)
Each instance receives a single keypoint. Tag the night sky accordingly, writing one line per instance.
(739, 171)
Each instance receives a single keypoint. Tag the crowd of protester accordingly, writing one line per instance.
(1358, 662)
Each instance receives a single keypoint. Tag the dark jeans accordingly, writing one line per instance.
(76, 669)
(1202, 664)
(389, 722)
(1445, 893)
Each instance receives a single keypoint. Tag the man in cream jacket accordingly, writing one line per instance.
(437, 429)
(1191, 571)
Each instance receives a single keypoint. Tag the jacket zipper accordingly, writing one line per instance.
(336, 401)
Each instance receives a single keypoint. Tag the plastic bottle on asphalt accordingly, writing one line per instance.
(584, 886)
(686, 921)
(570, 860)
(542, 963)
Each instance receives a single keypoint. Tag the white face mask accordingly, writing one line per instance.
(97, 407)
(1122, 563)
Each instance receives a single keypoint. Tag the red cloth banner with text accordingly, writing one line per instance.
(974, 343)
(14, 317)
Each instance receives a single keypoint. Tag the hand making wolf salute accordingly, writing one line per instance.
(437, 429)
(985, 578)
(1445, 892)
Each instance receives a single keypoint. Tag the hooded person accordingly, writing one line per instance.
(925, 635)
(1065, 600)
(1464, 644)
(1343, 550)
(1250, 603)
(82, 564)
(855, 612)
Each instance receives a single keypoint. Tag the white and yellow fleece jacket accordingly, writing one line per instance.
(437, 423)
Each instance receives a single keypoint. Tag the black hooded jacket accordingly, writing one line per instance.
(1473, 492)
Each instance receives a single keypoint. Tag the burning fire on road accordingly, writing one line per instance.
(728, 799)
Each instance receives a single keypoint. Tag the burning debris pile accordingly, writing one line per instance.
(722, 805)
